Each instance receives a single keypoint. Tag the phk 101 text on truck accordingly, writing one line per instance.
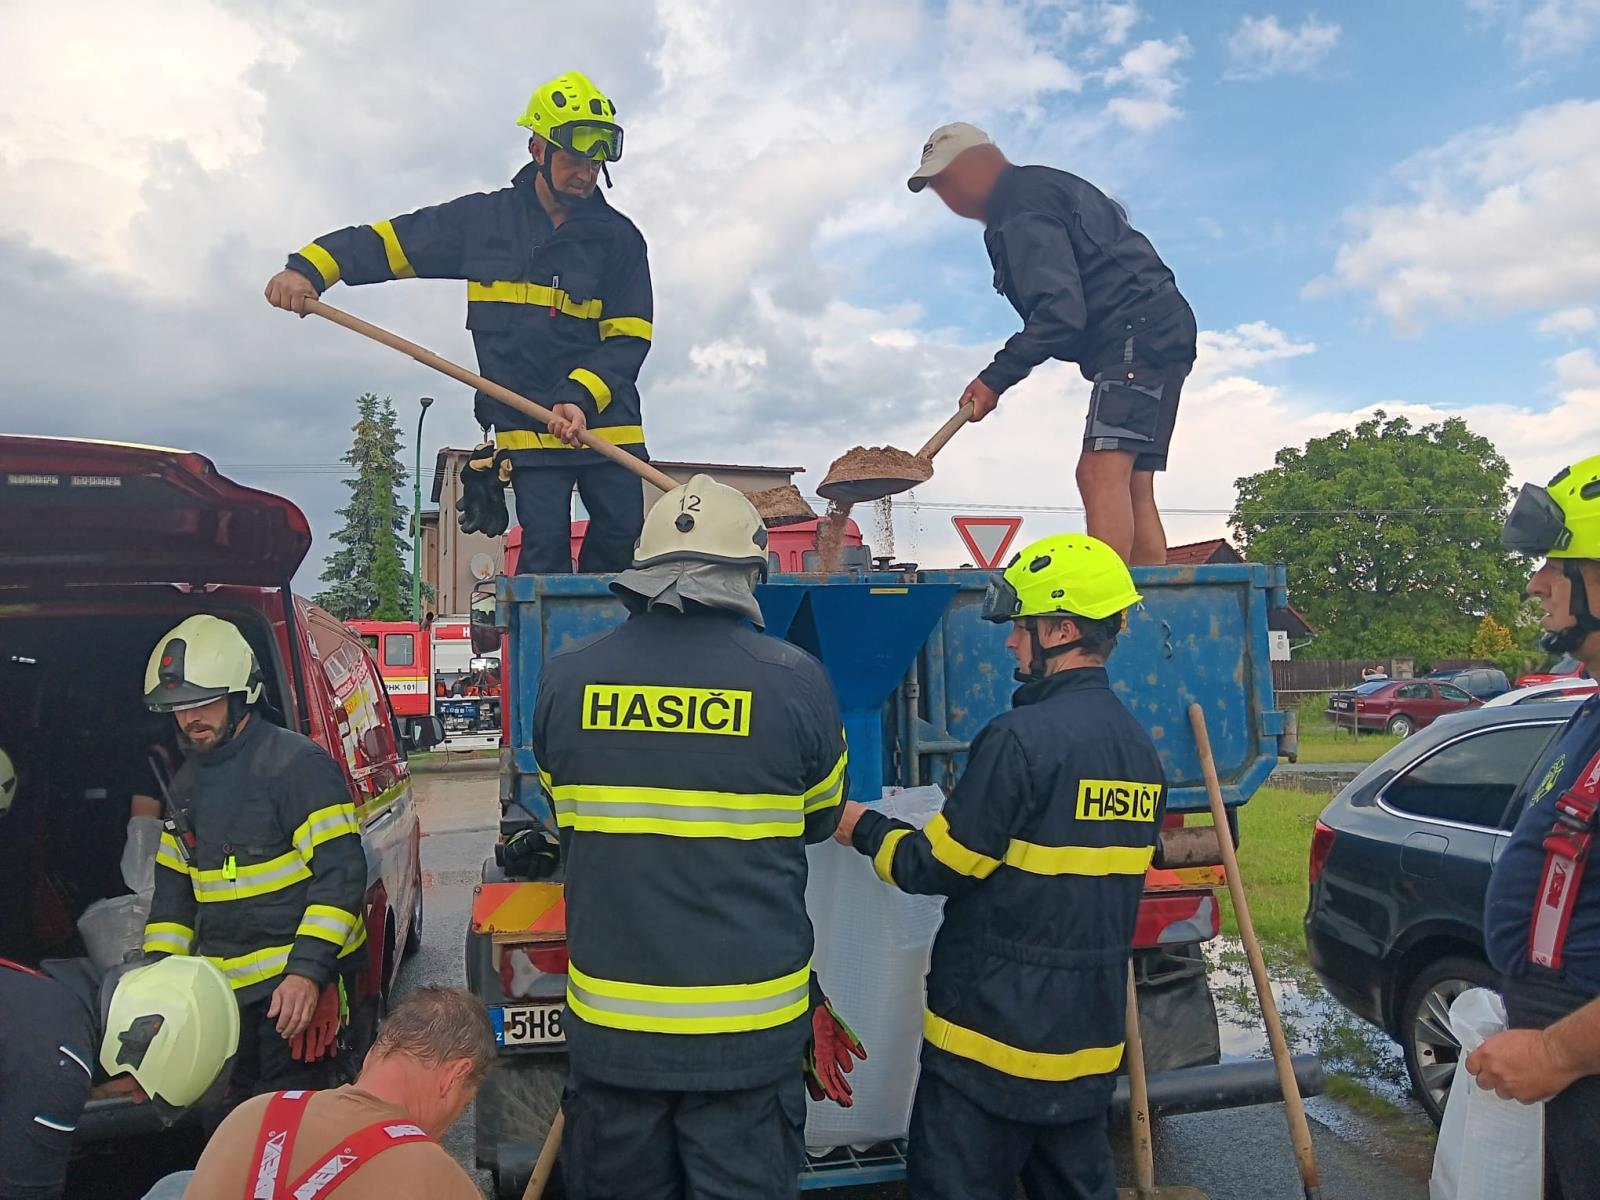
(918, 674)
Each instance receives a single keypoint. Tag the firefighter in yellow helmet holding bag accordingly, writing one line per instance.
(560, 307)
(1042, 850)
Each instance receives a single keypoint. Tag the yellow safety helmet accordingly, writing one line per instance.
(200, 660)
(1562, 521)
(703, 521)
(8, 782)
(1065, 574)
(572, 113)
(173, 1025)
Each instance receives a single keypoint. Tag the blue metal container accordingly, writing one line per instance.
(919, 672)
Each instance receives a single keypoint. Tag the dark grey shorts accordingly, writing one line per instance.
(1134, 408)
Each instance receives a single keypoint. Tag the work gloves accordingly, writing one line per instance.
(831, 1054)
(482, 507)
(319, 1036)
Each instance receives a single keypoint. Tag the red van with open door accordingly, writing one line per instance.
(103, 548)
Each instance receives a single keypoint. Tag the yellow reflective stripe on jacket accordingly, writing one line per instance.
(599, 808)
(883, 860)
(954, 855)
(505, 291)
(532, 439)
(324, 825)
(722, 1008)
(170, 854)
(328, 923)
(168, 937)
(399, 265)
(356, 940)
(327, 266)
(1023, 1064)
(594, 385)
(830, 791)
(626, 327)
(255, 967)
(1079, 860)
(257, 879)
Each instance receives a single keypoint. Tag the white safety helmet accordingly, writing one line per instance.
(173, 1025)
(703, 521)
(203, 659)
(8, 782)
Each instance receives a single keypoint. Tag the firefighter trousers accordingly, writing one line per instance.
(612, 495)
(623, 1144)
(263, 1064)
(961, 1151)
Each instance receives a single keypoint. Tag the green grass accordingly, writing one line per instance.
(1322, 743)
(1274, 843)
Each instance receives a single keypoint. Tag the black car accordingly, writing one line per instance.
(1399, 865)
(1484, 683)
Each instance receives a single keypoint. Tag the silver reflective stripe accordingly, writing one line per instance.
(58, 1126)
(340, 929)
(307, 839)
(698, 1010)
(76, 1059)
(250, 882)
(683, 813)
(827, 799)
(253, 968)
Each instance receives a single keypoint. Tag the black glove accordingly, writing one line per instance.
(484, 476)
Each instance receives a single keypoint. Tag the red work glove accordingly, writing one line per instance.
(323, 1031)
(829, 1057)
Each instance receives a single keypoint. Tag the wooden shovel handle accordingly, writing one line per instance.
(946, 431)
(1299, 1130)
(489, 387)
(1144, 1165)
(545, 1166)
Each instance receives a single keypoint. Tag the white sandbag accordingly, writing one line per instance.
(1489, 1148)
(139, 853)
(111, 928)
(871, 956)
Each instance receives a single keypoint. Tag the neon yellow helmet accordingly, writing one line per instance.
(201, 659)
(1065, 574)
(570, 112)
(173, 1025)
(1562, 521)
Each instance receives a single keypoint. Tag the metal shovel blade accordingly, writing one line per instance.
(867, 473)
(864, 491)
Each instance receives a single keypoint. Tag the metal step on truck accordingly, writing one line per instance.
(918, 673)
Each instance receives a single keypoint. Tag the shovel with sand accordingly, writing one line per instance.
(869, 473)
(777, 506)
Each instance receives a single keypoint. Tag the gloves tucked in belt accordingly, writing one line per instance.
(829, 1057)
(320, 1035)
(484, 476)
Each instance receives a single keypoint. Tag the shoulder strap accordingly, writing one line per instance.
(1566, 854)
(16, 966)
(275, 1145)
(351, 1154)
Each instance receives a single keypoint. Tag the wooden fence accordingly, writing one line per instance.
(1304, 676)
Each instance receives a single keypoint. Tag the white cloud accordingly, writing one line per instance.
(1262, 47)
(1500, 219)
(1570, 321)
(1545, 29)
(1150, 72)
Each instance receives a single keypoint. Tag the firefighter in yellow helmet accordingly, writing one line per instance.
(560, 307)
(1042, 850)
(1542, 910)
(690, 760)
(265, 843)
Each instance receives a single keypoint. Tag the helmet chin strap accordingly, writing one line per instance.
(1584, 622)
(1040, 656)
(237, 711)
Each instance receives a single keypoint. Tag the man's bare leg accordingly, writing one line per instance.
(1105, 483)
(1149, 537)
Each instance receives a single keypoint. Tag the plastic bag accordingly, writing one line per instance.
(1489, 1148)
(111, 928)
(872, 944)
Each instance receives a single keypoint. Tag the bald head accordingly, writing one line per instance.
(966, 184)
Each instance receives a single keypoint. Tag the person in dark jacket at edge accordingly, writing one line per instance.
(1542, 910)
(1090, 290)
(261, 870)
(560, 308)
(1042, 850)
(690, 760)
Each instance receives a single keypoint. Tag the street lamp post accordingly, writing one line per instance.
(416, 519)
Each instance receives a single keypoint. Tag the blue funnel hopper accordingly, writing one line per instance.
(866, 635)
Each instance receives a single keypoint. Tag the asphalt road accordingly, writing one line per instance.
(1241, 1154)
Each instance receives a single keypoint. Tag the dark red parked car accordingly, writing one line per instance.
(1397, 706)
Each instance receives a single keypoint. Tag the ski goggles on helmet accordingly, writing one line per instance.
(1001, 602)
(599, 141)
(1536, 525)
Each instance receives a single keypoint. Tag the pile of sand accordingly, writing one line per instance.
(877, 462)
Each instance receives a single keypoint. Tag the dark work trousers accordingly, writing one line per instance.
(263, 1065)
(1572, 1119)
(622, 1144)
(961, 1151)
(613, 495)
(47, 1051)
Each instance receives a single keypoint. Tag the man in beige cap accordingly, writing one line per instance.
(1090, 290)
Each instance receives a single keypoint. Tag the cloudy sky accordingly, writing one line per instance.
(1374, 205)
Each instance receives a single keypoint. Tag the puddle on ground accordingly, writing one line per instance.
(1313, 1023)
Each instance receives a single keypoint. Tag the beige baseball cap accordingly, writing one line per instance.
(944, 143)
